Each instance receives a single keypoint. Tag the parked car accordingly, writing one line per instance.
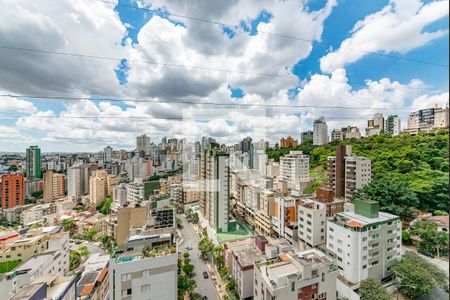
(189, 248)
(205, 275)
(205, 298)
(429, 254)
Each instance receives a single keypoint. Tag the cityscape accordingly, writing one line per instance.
(213, 150)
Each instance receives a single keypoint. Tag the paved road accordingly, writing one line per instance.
(205, 287)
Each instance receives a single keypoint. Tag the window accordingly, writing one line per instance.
(375, 263)
(126, 276)
(364, 267)
(375, 254)
(331, 229)
(375, 236)
(145, 288)
(365, 257)
(364, 239)
(314, 273)
(292, 286)
(323, 277)
(126, 292)
(146, 273)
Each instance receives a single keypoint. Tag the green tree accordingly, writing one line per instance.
(418, 276)
(431, 240)
(371, 289)
(90, 233)
(69, 225)
(206, 247)
(186, 255)
(440, 213)
(188, 269)
(179, 223)
(106, 206)
(195, 218)
(74, 260)
(395, 196)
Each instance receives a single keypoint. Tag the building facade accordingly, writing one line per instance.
(320, 132)
(54, 186)
(33, 162)
(13, 190)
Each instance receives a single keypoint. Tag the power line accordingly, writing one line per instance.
(150, 118)
(281, 35)
(97, 99)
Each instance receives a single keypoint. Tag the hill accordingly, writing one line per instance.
(408, 171)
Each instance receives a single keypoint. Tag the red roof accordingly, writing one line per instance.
(87, 289)
(102, 274)
(352, 223)
(442, 220)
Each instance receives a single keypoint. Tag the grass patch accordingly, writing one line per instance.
(9, 265)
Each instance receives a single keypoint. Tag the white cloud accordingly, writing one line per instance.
(14, 104)
(398, 27)
(425, 101)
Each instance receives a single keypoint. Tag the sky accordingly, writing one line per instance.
(77, 75)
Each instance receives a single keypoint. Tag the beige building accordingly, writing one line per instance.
(99, 187)
(294, 168)
(54, 186)
(428, 119)
(265, 210)
(128, 217)
(375, 125)
(34, 242)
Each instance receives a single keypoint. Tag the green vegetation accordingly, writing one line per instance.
(186, 284)
(74, 260)
(192, 216)
(9, 265)
(69, 225)
(37, 195)
(419, 164)
(431, 240)
(105, 206)
(90, 233)
(371, 289)
(418, 277)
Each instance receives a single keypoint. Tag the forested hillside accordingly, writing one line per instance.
(408, 171)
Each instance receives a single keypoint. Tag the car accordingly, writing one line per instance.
(78, 242)
(205, 275)
(426, 253)
(205, 298)
(179, 251)
(189, 248)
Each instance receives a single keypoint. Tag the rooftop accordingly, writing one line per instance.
(354, 220)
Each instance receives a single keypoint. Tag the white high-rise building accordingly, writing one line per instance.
(135, 191)
(78, 181)
(294, 167)
(320, 132)
(392, 125)
(143, 144)
(366, 243)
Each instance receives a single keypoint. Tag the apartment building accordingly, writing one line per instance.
(288, 142)
(54, 186)
(294, 168)
(135, 191)
(39, 213)
(344, 133)
(284, 221)
(215, 189)
(375, 125)
(99, 187)
(34, 242)
(428, 119)
(312, 219)
(240, 256)
(306, 136)
(126, 218)
(13, 190)
(393, 125)
(49, 287)
(54, 262)
(265, 210)
(78, 180)
(347, 172)
(33, 163)
(119, 196)
(303, 275)
(94, 281)
(135, 276)
(320, 132)
(365, 243)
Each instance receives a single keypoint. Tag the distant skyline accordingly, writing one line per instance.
(331, 53)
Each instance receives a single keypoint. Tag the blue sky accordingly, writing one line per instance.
(151, 33)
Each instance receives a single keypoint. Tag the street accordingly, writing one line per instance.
(205, 287)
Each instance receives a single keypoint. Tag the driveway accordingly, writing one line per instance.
(205, 287)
